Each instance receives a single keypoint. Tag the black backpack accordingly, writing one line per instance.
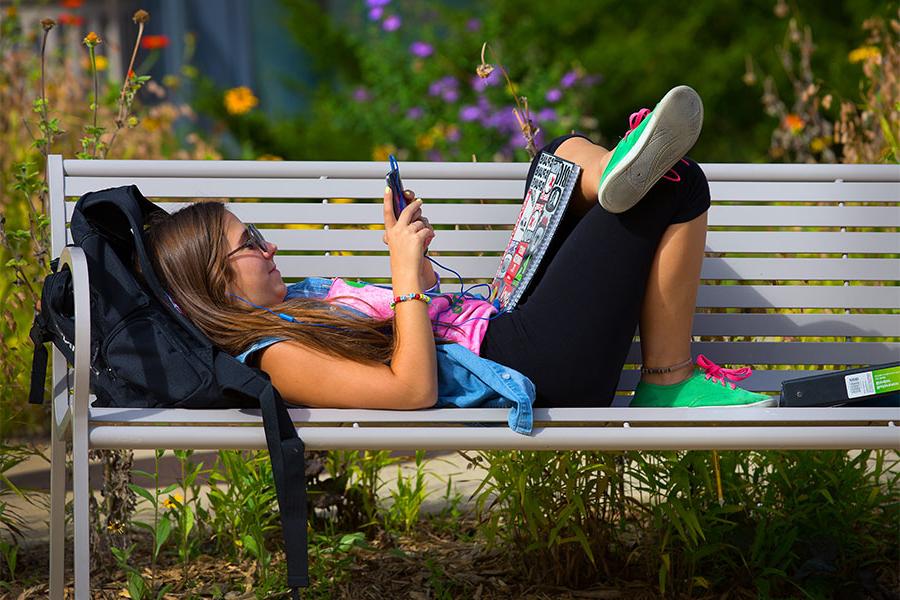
(146, 354)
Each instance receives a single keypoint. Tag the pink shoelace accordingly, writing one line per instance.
(720, 374)
(633, 121)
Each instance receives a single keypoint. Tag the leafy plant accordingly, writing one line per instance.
(408, 496)
(243, 501)
(561, 510)
(136, 585)
(185, 507)
(161, 528)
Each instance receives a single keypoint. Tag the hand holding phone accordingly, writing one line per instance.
(394, 182)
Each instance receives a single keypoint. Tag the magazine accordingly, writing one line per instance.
(545, 203)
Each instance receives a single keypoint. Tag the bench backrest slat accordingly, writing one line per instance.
(440, 213)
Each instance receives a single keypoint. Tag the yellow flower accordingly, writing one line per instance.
(101, 61)
(115, 527)
(818, 144)
(240, 100)
(794, 123)
(173, 501)
(864, 53)
(151, 124)
(425, 141)
(382, 151)
(91, 40)
(268, 157)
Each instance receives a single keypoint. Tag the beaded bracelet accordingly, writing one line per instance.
(405, 297)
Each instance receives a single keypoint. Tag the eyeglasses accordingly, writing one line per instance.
(254, 240)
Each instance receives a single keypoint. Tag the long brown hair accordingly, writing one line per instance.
(188, 248)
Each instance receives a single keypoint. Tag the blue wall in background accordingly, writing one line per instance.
(238, 42)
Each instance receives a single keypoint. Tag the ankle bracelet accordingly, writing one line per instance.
(659, 370)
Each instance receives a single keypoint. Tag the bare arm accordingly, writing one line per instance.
(312, 378)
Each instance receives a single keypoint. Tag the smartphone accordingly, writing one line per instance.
(396, 185)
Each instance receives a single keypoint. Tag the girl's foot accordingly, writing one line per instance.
(655, 141)
(707, 387)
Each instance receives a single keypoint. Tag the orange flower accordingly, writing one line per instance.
(91, 40)
(154, 42)
(794, 123)
(70, 19)
(240, 100)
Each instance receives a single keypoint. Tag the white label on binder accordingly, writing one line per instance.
(860, 384)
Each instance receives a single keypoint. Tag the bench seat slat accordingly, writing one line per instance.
(502, 438)
(599, 416)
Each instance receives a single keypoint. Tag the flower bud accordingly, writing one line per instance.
(92, 39)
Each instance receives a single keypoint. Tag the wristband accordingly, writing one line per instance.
(405, 297)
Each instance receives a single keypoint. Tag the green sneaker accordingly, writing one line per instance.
(654, 142)
(707, 387)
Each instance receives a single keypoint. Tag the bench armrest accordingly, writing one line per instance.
(77, 411)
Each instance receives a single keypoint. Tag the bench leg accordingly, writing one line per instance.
(57, 512)
(81, 515)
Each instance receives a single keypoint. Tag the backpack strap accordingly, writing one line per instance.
(39, 336)
(286, 451)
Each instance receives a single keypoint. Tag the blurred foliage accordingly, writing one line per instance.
(34, 123)
(400, 76)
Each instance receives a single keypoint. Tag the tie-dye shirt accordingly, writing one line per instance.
(463, 320)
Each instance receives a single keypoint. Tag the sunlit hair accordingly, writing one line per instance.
(188, 248)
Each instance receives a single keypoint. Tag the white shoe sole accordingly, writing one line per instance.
(671, 132)
(760, 404)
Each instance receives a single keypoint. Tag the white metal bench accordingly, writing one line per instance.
(771, 263)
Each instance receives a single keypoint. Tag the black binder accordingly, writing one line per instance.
(875, 385)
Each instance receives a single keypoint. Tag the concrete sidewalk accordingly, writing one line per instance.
(34, 474)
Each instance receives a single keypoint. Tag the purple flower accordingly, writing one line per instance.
(469, 113)
(592, 80)
(361, 94)
(375, 13)
(546, 114)
(377, 3)
(479, 84)
(442, 86)
(453, 134)
(435, 156)
(473, 24)
(569, 79)
(450, 95)
(421, 49)
(414, 113)
(553, 95)
(392, 23)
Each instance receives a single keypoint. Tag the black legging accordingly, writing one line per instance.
(572, 330)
